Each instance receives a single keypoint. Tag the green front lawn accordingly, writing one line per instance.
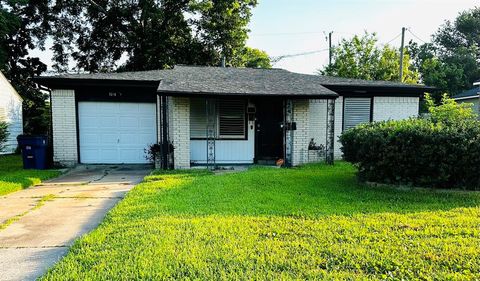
(314, 222)
(13, 177)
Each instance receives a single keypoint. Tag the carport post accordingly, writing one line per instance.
(330, 131)
(164, 145)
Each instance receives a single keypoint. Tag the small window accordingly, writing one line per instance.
(356, 111)
(230, 116)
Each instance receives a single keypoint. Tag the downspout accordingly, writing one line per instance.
(478, 93)
(478, 106)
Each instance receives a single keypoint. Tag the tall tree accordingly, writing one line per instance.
(253, 58)
(148, 34)
(361, 58)
(24, 25)
(452, 61)
(222, 27)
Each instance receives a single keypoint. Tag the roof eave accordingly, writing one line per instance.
(332, 95)
(59, 82)
(467, 97)
(383, 90)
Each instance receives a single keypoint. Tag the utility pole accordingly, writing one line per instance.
(401, 54)
(330, 48)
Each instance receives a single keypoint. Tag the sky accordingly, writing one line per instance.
(283, 27)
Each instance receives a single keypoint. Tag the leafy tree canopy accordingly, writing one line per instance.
(149, 34)
(106, 35)
(253, 58)
(452, 61)
(361, 58)
(24, 25)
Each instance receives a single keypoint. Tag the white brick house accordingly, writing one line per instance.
(10, 112)
(215, 116)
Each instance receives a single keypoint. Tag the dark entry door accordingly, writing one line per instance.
(269, 131)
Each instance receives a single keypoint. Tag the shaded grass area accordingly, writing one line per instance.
(13, 177)
(314, 222)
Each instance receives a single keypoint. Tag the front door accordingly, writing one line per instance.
(269, 130)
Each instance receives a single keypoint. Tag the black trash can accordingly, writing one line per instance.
(34, 151)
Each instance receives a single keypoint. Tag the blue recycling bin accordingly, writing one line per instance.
(34, 151)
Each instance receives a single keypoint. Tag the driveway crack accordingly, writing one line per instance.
(38, 204)
(105, 173)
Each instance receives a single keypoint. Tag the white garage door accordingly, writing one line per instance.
(115, 133)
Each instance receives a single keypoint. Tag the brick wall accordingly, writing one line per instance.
(64, 127)
(301, 136)
(179, 122)
(395, 108)
(318, 126)
(318, 121)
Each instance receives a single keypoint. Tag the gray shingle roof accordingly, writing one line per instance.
(149, 75)
(242, 81)
(472, 93)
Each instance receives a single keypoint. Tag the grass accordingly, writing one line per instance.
(13, 177)
(314, 222)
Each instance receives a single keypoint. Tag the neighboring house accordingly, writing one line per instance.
(215, 115)
(10, 112)
(471, 96)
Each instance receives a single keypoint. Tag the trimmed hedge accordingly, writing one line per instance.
(416, 152)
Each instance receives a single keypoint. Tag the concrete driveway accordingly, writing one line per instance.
(40, 223)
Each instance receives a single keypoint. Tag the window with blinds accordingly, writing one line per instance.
(231, 119)
(198, 118)
(356, 111)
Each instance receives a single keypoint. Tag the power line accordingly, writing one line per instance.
(287, 33)
(298, 33)
(414, 35)
(396, 37)
(276, 59)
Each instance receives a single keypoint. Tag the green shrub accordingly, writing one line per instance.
(449, 111)
(442, 150)
(3, 134)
